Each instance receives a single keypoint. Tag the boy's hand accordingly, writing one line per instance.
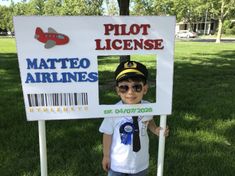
(157, 131)
(106, 163)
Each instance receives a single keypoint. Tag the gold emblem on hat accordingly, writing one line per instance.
(130, 65)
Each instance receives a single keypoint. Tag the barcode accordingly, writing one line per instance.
(57, 99)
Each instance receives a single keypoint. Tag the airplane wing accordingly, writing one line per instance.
(49, 44)
(51, 30)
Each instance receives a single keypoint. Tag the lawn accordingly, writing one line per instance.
(202, 124)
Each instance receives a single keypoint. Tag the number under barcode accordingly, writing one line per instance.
(57, 99)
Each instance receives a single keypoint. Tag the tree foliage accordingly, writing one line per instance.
(48, 7)
(142, 7)
(37, 7)
(188, 11)
(112, 7)
(52, 7)
(4, 16)
(163, 7)
(82, 7)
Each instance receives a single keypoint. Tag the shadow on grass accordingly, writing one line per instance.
(74, 147)
(203, 119)
(202, 126)
(19, 140)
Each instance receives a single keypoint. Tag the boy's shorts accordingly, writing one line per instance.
(113, 173)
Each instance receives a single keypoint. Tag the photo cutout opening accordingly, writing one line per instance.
(107, 82)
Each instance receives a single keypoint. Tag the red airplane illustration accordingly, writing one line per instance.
(50, 38)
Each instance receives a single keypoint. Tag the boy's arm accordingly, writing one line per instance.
(107, 141)
(155, 129)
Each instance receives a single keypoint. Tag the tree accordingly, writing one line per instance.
(112, 8)
(52, 7)
(143, 7)
(37, 7)
(124, 7)
(82, 7)
(4, 17)
(222, 9)
(22, 8)
(124, 10)
(163, 7)
(188, 11)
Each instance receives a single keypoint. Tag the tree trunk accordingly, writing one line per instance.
(124, 7)
(221, 19)
(124, 10)
(218, 38)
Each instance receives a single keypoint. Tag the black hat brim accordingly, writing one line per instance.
(131, 75)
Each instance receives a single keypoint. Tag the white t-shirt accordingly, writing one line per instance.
(123, 158)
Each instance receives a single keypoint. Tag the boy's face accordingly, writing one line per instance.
(131, 92)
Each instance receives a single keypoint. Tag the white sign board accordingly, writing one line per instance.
(59, 68)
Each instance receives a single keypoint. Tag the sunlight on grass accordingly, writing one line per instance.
(97, 148)
(200, 136)
(9, 45)
(191, 117)
(58, 133)
(3, 72)
(28, 174)
(223, 125)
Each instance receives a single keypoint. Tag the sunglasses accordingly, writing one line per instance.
(135, 88)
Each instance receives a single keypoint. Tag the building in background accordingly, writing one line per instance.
(202, 27)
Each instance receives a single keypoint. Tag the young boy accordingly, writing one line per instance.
(125, 139)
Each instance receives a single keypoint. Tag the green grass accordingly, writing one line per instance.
(202, 124)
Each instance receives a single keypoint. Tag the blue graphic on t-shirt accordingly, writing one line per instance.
(126, 131)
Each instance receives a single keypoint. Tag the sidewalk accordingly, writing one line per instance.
(225, 40)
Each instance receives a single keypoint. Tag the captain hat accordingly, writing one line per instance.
(130, 69)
